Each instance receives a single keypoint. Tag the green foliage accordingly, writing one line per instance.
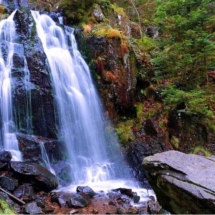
(4, 208)
(196, 102)
(145, 43)
(186, 48)
(80, 10)
(124, 131)
(75, 10)
(199, 150)
(139, 111)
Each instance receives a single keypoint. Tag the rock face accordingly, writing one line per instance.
(42, 177)
(46, 151)
(183, 183)
(32, 91)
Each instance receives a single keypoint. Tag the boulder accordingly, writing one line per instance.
(31, 148)
(79, 200)
(85, 189)
(25, 192)
(183, 183)
(32, 208)
(5, 156)
(8, 182)
(41, 177)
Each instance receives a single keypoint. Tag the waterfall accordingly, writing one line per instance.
(7, 37)
(94, 155)
(46, 158)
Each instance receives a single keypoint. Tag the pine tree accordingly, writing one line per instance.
(185, 49)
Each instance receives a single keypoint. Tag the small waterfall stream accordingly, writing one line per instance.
(7, 36)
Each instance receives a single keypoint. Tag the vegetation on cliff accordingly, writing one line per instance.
(167, 50)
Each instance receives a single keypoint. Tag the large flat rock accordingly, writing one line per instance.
(184, 183)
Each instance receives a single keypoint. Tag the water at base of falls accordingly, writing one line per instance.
(95, 157)
(8, 136)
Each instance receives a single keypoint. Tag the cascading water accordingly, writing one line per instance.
(95, 158)
(46, 158)
(7, 37)
(82, 125)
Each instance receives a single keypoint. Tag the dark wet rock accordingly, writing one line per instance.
(32, 208)
(30, 146)
(40, 203)
(5, 156)
(86, 190)
(25, 192)
(154, 207)
(79, 200)
(61, 198)
(41, 176)
(41, 119)
(18, 61)
(136, 198)
(149, 128)
(129, 193)
(31, 149)
(8, 183)
(183, 183)
(54, 197)
(140, 149)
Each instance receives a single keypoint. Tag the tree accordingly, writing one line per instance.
(185, 49)
(46, 4)
(184, 54)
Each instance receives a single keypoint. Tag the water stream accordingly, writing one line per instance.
(82, 123)
(8, 137)
(95, 157)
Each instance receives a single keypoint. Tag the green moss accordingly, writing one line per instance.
(124, 131)
(175, 142)
(118, 10)
(199, 150)
(145, 43)
(107, 31)
(5, 209)
(139, 111)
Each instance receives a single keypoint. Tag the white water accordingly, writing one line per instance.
(95, 158)
(82, 125)
(46, 158)
(7, 34)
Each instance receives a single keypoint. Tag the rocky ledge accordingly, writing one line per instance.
(183, 183)
(29, 188)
